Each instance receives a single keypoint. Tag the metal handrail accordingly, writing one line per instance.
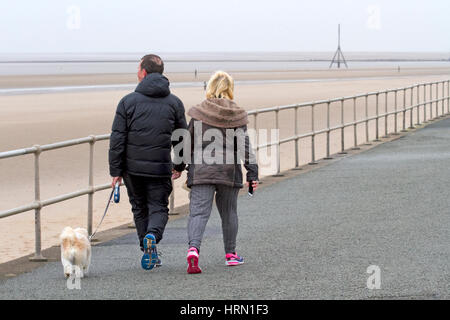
(38, 204)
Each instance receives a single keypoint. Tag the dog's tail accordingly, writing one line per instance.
(67, 238)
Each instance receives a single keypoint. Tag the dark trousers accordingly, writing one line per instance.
(149, 199)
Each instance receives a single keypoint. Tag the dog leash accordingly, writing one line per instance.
(116, 192)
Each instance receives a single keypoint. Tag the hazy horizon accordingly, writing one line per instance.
(225, 55)
(84, 27)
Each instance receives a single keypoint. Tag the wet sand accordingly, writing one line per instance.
(31, 119)
(20, 81)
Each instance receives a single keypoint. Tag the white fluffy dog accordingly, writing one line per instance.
(75, 251)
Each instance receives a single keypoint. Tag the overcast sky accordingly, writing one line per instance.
(228, 25)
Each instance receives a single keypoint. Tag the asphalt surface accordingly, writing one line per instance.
(309, 237)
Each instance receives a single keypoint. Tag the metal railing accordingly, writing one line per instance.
(313, 105)
(36, 150)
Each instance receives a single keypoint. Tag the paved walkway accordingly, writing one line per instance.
(311, 236)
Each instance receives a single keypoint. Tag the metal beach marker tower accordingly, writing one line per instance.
(338, 55)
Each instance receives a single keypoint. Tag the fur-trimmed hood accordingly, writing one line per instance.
(219, 112)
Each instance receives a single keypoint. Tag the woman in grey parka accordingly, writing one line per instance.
(219, 142)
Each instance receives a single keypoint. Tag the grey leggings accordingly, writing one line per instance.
(201, 200)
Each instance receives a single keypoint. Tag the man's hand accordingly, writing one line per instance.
(254, 184)
(115, 180)
(175, 174)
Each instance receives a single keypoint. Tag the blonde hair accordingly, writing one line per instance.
(220, 85)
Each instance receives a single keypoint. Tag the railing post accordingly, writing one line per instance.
(37, 212)
(297, 156)
(431, 101)
(91, 186)
(328, 157)
(386, 95)
(448, 96)
(418, 105)
(437, 99)
(342, 129)
(296, 134)
(425, 103)
(367, 120)
(255, 118)
(277, 127)
(443, 100)
(355, 133)
(404, 110)
(395, 112)
(377, 138)
(313, 156)
(443, 94)
(411, 110)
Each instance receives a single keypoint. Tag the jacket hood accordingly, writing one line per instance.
(154, 85)
(221, 113)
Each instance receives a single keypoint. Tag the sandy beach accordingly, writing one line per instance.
(30, 119)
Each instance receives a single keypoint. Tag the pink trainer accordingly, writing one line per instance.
(232, 259)
(192, 260)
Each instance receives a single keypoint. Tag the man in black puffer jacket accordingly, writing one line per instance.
(139, 151)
